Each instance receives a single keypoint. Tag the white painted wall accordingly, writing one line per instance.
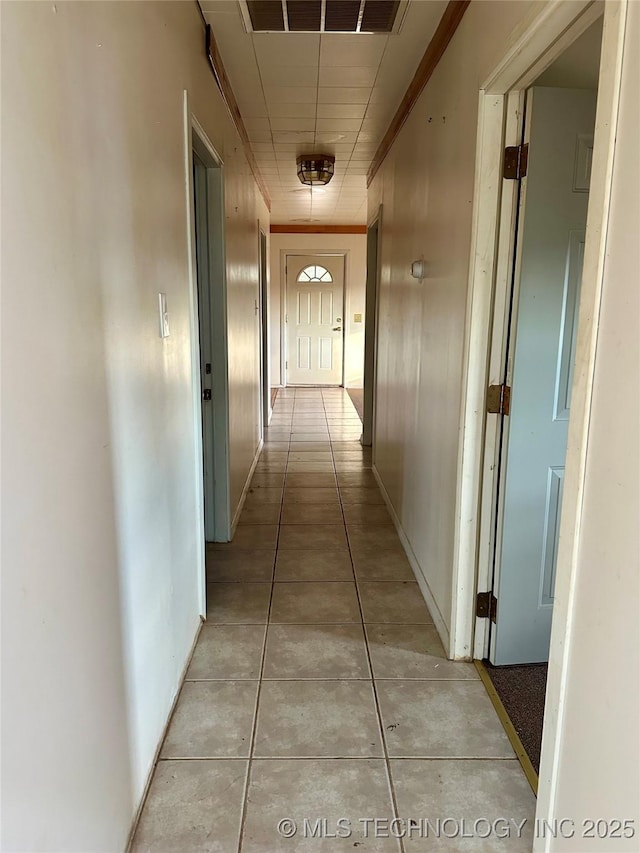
(355, 248)
(426, 188)
(100, 575)
(598, 773)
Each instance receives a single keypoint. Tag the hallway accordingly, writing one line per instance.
(319, 688)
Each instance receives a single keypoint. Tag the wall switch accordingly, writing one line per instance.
(164, 315)
(357, 318)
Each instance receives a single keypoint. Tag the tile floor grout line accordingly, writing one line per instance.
(392, 792)
(264, 648)
(254, 728)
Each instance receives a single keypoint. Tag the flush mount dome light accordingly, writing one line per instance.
(316, 169)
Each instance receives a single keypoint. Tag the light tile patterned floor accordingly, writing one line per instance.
(319, 688)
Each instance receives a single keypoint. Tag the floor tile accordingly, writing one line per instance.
(264, 495)
(373, 537)
(227, 651)
(312, 602)
(413, 651)
(311, 481)
(359, 514)
(352, 455)
(304, 513)
(310, 467)
(238, 603)
(360, 495)
(309, 446)
(294, 495)
(382, 565)
(276, 445)
(213, 719)
(309, 436)
(321, 788)
(440, 719)
(192, 805)
(473, 790)
(318, 565)
(311, 456)
(316, 651)
(317, 719)
(261, 513)
(250, 536)
(268, 479)
(343, 467)
(250, 564)
(269, 466)
(310, 536)
(393, 601)
(357, 478)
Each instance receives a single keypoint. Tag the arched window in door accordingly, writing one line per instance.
(314, 273)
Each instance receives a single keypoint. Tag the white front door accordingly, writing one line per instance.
(550, 241)
(314, 319)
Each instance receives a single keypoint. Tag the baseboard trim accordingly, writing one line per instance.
(156, 755)
(245, 491)
(425, 589)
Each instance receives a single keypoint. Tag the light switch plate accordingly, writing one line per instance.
(164, 315)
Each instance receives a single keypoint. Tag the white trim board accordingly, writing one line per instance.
(196, 390)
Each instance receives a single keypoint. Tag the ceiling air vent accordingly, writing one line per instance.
(379, 16)
(304, 16)
(266, 15)
(323, 16)
(342, 16)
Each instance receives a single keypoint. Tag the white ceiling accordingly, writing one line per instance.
(303, 93)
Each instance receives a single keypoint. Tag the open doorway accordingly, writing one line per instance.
(208, 238)
(552, 170)
(265, 385)
(371, 331)
(314, 320)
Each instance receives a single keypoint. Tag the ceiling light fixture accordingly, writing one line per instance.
(315, 169)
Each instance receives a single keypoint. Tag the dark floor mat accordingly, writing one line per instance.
(357, 398)
(522, 691)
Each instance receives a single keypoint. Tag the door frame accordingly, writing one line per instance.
(197, 139)
(534, 46)
(371, 334)
(263, 289)
(284, 255)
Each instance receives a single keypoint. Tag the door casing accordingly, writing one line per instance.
(265, 385)
(533, 47)
(374, 230)
(218, 501)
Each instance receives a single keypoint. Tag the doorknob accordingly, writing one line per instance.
(337, 328)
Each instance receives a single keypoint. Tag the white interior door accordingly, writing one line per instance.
(553, 214)
(314, 319)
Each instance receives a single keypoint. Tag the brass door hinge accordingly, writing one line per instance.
(516, 159)
(499, 400)
(486, 606)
